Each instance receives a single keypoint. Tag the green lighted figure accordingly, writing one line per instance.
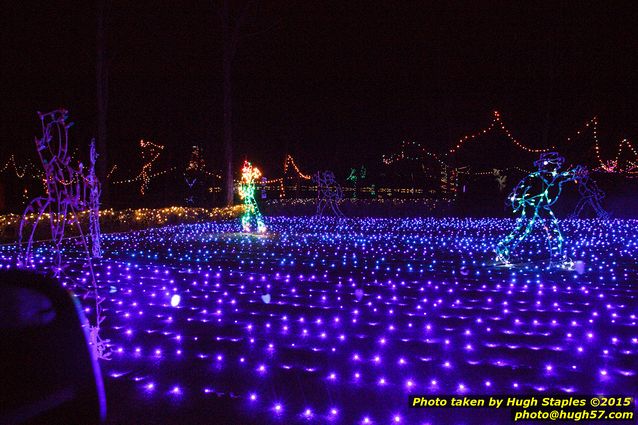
(532, 199)
(249, 175)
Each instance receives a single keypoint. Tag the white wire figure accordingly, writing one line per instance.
(501, 179)
(590, 194)
(329, 193)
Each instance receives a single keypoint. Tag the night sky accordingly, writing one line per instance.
(336, 84)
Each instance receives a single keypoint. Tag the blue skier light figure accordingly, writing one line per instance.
(532, 200)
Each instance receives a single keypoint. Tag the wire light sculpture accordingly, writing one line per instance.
(194, 169)
(68, 191)
(150, 153)
(501, 179)
(66, 196)
(592, 195)
(532, 200)
(249, 175)
(329, 193)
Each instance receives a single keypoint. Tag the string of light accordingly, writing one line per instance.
(497, 123)
(150, 153)
(21, 171)
(390, 159)
(290, 160)
(12, 161)
(612, 165)
(150, 176)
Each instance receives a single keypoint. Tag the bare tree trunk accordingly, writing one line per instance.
(231, 38)
(553, 50)
(228, 136)
(228, 112)
(102, 98)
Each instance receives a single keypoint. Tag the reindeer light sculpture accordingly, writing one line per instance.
(66, 196)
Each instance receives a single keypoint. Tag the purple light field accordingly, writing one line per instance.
(327, 321)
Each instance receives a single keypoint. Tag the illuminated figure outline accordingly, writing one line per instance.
(249, 175)
(501, 179)
(195, 167)
(535, 207)
(150, 152)
(66, 194)
(329, 192)
(590, 194)
(66, 190)
(355, 176)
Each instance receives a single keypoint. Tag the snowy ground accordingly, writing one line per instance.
(320, 321)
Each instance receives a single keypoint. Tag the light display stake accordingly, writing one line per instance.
(532, 199)
(249, 175)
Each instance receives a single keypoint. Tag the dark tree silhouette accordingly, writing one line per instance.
(230, 27)
(102, 96)
(233, 22)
